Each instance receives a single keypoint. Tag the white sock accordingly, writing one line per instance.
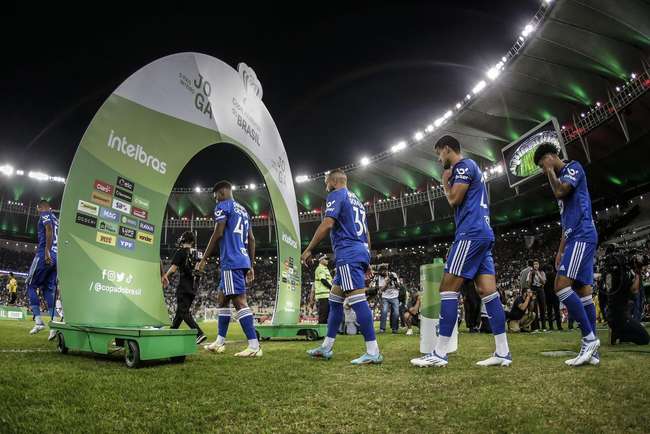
(220, 340)
(442, 345)
(372, 348)
(502, 344)
(328, 343)
(253, 344)
(38, 320)
(590, 337)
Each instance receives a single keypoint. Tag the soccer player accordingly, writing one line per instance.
(11, 288)
(42, 273)
(234, 234)
(470, 255)
(575, 257)
(345, 221)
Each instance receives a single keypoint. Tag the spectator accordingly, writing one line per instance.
(536, 281)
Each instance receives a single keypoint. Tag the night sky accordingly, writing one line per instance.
(340, 83)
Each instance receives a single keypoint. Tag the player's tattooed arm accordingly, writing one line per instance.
(321, 232)
(48, 243)
(560, 189)
(217, 234)
(250, 276)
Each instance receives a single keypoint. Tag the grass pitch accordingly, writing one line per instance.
(285, 391)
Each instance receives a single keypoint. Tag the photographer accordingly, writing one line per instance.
(622, 281)
(521, 314)
(536, 281)
(184, 261)
(388, 287)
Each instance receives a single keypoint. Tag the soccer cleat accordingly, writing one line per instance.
(200, 338)
(249, 352)
(52, 335)
(214, 347)
(496, 360)
(409, 332)
(367, 359)
(587, 350)
(37, 328)
(320, 352)
(595, 359)
(430, 360)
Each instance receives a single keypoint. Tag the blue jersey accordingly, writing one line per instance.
(575, 208)
(234, 244)
(47, 218)
(472, 216)
(350, 232)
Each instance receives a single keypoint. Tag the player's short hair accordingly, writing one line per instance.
(543, 150)
(336, 172)
(222, 184)
(43, 202)
(11, 274)
(187, 237)
(449, 141)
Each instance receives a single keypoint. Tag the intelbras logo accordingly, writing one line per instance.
(136, 152)
(290, 241)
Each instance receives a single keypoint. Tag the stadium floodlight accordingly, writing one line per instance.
(418, 136)
(448, 114)
(479, 87)
(7, 169)
(438, 122)
(252, 186)
(365, 161)
(429, 128)
(39, 176)
(197, 189)
(20, 172)
(493, 73)
(527, 30)
(234, 187)
(398, 147)
(597, 103)
(458, 106)
(57, 179)
(302, 178)
(633, 76)
(504, 59)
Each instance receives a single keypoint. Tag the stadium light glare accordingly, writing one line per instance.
(365, 161)
(197, 189)
(302, 178)
(633, 76)
(468, 97)
(438, 122)
(527, 30)
(448, 114)
(20, 172)
(39, 176)
(418, 136)
(252, 186)
(458, 106)
(429, 128)
(479, 87)
(398, 147)
(493, 73)
(7, 169)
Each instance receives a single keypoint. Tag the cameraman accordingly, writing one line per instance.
(521, 314)
(184, 261)
(388, 287)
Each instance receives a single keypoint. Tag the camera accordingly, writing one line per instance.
(619, 266)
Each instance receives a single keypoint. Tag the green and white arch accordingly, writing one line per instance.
(123, 172)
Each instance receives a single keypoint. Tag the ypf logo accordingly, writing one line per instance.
(252, 85)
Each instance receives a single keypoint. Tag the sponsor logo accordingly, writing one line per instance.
(100, 198)
(86, 220)
(107, 239)
(107, 227)
(117, 276)
(140, 202)
(290, 241)
(125, 183)
(127, 232)
(140, 213)
(252, 85)
(121, 206)
(572, 172)
(145, 237)
(88, 208)
(129, 221)
(125, 244)
(136, 152)
(147, 227)
(123, 195)
(461, 170)
(104, 187)
(108, 214)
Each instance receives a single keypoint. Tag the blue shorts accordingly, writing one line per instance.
(351, 276)
(233, 282)
(577, 261)
(469, 258)
(41, 276)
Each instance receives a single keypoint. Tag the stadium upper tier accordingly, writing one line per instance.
(584, 63)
